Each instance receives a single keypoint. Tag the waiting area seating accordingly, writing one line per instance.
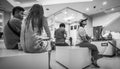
(14, 59)
(73, 57)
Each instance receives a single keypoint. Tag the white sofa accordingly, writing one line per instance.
(73, 57)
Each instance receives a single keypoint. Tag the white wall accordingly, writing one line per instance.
(104, 19)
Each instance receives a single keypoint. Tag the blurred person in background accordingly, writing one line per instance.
(60, 36)
(12, 28)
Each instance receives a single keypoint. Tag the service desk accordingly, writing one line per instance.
(104, 47)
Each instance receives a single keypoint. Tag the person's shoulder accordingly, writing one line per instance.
(57, 29)
(80, 28)
(15, 20)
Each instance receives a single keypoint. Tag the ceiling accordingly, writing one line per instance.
(52, 6)
(67, 15)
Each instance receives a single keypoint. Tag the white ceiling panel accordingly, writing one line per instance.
(53, 6)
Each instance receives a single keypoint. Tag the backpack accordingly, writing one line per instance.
(33, 44)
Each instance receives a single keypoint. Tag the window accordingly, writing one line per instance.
(78, 26)
(71, 27)
(75, 26)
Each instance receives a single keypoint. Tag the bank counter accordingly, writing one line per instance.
(104, 47)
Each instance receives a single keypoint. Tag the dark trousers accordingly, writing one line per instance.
(16, 46)
(92, 47)
(61, 44)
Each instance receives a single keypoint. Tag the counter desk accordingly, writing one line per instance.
(104, 47)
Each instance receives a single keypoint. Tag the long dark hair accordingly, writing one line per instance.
(35, 16)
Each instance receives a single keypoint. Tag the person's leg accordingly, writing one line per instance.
(16, 46)
(59, 44)
(94, 52)
(66, 44)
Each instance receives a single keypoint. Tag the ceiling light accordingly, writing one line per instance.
(112, 9)
(87, 9)
(69, 18)
(65, 12)
(104, 3)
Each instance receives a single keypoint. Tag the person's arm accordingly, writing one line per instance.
(22, 35)
(65, 33)
(45, 25)
(84, 38)
(17, 25)
(55, 34)
(82, 34)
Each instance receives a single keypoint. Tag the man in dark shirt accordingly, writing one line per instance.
(60, 35)
(12, 28)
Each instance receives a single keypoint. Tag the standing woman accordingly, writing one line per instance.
(32, 27)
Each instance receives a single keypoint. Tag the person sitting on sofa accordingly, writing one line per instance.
(60, 36)
(83, 40)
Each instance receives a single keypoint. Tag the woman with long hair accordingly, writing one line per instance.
(32, 27)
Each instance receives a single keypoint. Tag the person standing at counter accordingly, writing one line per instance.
(12, 29)
(83, 40)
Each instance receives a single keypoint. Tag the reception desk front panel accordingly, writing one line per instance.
(104, 47)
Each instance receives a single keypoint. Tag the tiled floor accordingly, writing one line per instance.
(105, 63)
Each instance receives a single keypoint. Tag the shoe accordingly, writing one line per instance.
(95, 66)
(87, 66)
(100, 56)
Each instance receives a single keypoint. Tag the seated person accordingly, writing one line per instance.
(32, 30)
(11, 32)
(60, 36)
(83, 40)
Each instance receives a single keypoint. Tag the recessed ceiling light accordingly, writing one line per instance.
(104, 3)
(87, 9)
(112, 9)
(65, 12)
